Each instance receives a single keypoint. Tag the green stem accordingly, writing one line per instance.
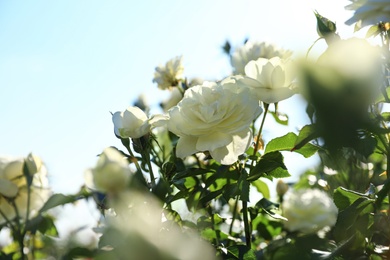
(126, 144)
(266, 106)
(217, 232)
(18, 230)
(246, 224)
(234, 216)
(152, 178)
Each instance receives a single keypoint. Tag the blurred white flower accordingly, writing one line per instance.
(111, 173)
(13, 187)
(353, 60)
(369, 12)
(169, 75)
(254, 50)
(308, 210)
(139, 230)
(134, 123)
(214, 117)
(272, 80)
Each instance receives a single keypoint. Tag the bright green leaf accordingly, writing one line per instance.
(59, 199)
(287, 143)
(373, 31)
(262, 187)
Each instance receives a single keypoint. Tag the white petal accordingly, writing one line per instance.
(186, 146)
(229, 154)
(213, 141)
(8, 188)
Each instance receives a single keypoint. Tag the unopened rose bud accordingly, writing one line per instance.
(281, 188)
(33, 163)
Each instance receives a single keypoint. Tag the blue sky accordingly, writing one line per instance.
(64, 65)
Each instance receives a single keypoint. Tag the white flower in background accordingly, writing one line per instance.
(13, 186)
(272, 80)
(138, 231)
(134, 123)
(214, 117)
(169, 75)
(111, 173)
(354, 60)
(308, 210)
(254, 50)
(369, 12)
(175, 96)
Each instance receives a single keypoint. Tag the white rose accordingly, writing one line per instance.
(369, 12)
(308, 210)
(272, 80)
(253, 51)
(13, 186)
(214, 117)
(353, 58)
(111, 173)
(169, 75)
(134, 123)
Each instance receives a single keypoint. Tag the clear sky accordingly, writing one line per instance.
(65, 64)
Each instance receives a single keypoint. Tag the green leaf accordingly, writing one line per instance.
(210, 234)
(344, 198)
(244, 186)
(191, 172)
(354, 217)
(262, 188)
(268, 163)
(58, 200)
(306, 134)
(204, 222)
(267, 206)
(287, 143)
(241, 252)
(373, 31)
(386, 116)
(279, 173)
(385, 97)
(43, 224)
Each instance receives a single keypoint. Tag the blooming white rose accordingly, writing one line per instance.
(134, 123)
(353, 60)
(271, 79)
(253, 51)
(111, 173)
(13, 186)
(369, 12)
(214, 117)
(308, 210)
(169, 75)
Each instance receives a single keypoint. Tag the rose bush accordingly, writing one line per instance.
(214, 117)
